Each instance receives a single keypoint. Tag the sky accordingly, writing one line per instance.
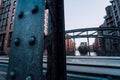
(84, 14)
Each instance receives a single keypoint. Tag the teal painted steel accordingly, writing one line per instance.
(27, 42)
(94, 34)
(92, 29)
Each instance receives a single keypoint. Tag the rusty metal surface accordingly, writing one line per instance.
(27, 41)
(56, 53)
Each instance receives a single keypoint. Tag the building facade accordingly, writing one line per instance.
(7, 14)
(115, 43)
(116, 10)
(69, 44)
(109, 18)
(109, 22)
(112, 20)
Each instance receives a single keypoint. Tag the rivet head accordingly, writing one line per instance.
(12, 74)
(28, 78)
(17, 41)
(21, 14)
(32, 40)
(35, 10)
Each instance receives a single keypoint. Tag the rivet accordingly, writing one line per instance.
(28, 78)
(35, 10)
(12, 74)
(32, 40)
(17, 41)
(21, 14)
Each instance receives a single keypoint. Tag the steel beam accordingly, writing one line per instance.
(58, 55)
(27, 42)
(94, 36)
(93, 29)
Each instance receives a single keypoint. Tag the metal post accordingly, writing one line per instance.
(74, 44)
(104, 45)
(49, 63)
(27, 41)
(56, 8)
(88, 44)
(104, 41)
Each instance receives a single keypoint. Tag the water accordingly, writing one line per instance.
(91, 53)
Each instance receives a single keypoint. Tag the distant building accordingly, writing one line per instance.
(69, 46)
(46, 22)
(109, 18)
(116, 10)
(6, 23)
(96, 45)
(104, 43)
(112, 19)
(115, 43)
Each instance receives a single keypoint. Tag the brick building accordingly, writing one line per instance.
(109, 18)
(112, 19)
(6, 23)
(116, 10)
(113, 13)
(69, 46)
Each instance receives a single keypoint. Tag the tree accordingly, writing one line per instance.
(83, 50)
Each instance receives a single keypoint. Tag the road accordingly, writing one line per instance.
(107, 66)
(3, 67)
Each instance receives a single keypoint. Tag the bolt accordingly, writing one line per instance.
(32, 40)
(35, 10)
(28, 78)
(17, 41)
(12, 74)
(21, 14)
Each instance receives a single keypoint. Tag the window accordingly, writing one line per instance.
(10, 38)
(115, 12)
(117, 18)
(2, 38)
(5, 15)
(114, 7)
(7, 9)
(12, 18)
(14, 3)
(13, 10)
(4, 22)
(11, 25)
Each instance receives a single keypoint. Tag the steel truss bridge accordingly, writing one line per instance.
(103, 32)
(28, 43)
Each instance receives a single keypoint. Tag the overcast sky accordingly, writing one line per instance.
(84, 13)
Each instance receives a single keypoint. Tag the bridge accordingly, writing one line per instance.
(26, 60)
(101, 34)
(78, 33)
